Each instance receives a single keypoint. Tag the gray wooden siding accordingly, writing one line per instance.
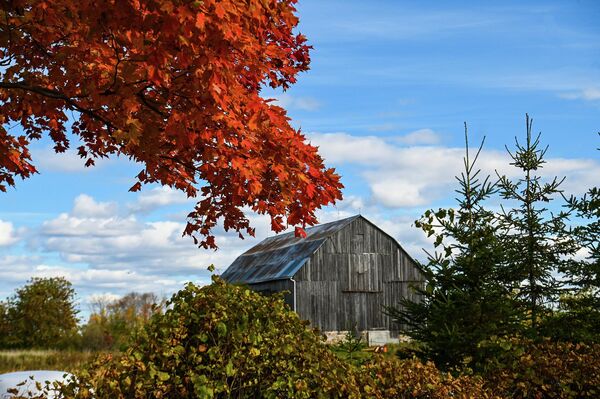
(271, 287)
(352, 277)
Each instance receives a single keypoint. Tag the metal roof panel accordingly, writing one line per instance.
(281, 256)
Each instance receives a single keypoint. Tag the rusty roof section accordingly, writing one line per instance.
(281, 257)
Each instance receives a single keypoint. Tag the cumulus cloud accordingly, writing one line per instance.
(159, 197)
(125, 243)
(86, 206)
(8, 234)
(101, 236)
(89, 283)
(414, 175)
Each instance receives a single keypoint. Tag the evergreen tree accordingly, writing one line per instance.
(534, 239)
(578, 318)
(464, 301)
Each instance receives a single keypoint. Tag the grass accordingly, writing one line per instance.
(33, 359)
(357, 352)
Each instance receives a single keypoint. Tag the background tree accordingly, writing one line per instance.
(465, 300)
(534, 239)
(5, 325)
(174, 85)
(112, 322)
(42, 314)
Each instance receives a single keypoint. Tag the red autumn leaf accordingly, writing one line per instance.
(299, 232)
(220, 10)
(174, 86)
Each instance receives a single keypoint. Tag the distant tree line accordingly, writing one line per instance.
(506, 264)
(43, 314)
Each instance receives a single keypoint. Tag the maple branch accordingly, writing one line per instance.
(147, 103)
(58, 96)
(193, 169)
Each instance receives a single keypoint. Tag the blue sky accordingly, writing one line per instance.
(390, 85)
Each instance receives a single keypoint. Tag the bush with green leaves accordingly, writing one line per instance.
(221, 341)
(41, 314)
(524, 369)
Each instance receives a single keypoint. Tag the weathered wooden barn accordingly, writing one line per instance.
(340, 277)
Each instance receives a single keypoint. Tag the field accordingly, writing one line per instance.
(18, 360)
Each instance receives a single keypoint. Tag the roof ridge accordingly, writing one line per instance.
(316, 226)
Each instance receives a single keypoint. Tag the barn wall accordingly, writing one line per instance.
(272, 287)
(349, 280)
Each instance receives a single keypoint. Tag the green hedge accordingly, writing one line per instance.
(224, 341)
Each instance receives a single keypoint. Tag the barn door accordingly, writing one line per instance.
(363, 273)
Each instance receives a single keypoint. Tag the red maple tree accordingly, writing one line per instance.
(174, 85)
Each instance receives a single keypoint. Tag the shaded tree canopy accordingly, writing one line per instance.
(41, 314)
(173, 85)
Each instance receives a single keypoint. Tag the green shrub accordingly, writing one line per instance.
(222, 341)
(561, 370)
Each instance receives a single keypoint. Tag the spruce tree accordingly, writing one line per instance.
(578, 318)
(534, 239)
(464, 301)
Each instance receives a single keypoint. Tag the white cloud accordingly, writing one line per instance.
(8, 234)
(46, 159)
(408, 176)
(91, 235)
(287, 101)
(159, 197)
(86, 206)
(89, 283)
(587, 94)
(419, 137)
(339, 148)
(103, 297)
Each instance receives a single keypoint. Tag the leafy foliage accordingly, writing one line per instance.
(394, 379)
(577, 318)
(525, 369)
(222, 341)
(41, 314)
(466, 299)
(174, 85)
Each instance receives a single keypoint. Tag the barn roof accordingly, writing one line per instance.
(281, 256)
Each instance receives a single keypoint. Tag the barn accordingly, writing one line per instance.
(340, 277)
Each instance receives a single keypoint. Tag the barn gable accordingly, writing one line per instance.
(281, 256)
(339, 277)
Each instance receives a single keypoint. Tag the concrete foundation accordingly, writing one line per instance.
(372, 337)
